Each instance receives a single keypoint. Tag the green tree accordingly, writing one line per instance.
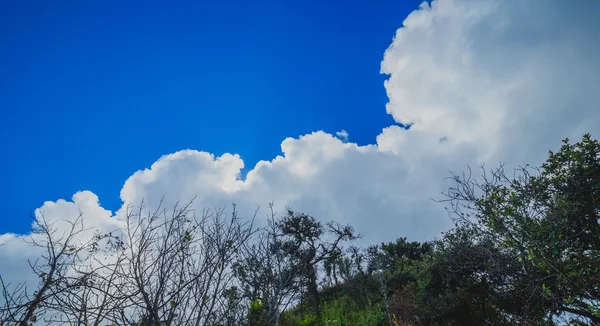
(547, 219)
(311, 243)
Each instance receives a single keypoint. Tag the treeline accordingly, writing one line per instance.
(523, 251)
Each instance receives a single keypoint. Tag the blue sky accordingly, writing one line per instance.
(93, 96)
(90, 92)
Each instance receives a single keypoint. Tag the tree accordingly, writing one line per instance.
(177, 268)
(165, 268)
(310, 243)
(547, 219)
(267, 274)
(391, 264)
(63, 267)
(470, 281)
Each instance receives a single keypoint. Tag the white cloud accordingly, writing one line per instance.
(508, 79)
(482, 80)
(17, 251)
(343, 135)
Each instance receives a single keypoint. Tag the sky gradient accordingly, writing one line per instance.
(99, 104)
(90, 92)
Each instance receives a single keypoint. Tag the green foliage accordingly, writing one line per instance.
(544, 226)
(342, 311)
(256, 313)
(345, 312)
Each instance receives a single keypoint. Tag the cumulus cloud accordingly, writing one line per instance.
(17, 251)
(504, 78)
(342, 134)
(480, 80)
